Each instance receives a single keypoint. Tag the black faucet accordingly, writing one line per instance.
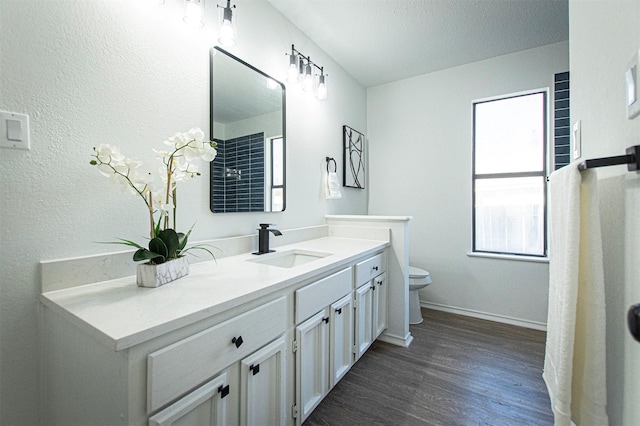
(263, 238)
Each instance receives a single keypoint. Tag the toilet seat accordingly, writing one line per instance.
(418, 276)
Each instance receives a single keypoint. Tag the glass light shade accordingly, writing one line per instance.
(321, 92)
(307, 83)
(193, 14)
(292, 76)
(227, 32)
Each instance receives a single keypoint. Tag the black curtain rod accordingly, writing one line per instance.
(632, 160)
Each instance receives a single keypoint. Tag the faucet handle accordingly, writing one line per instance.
(266, 225)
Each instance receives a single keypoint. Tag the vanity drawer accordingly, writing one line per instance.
(176, 369)
(370, 268)
(317, 296)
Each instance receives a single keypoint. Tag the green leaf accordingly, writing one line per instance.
(144, 254)
(170, 238)
(202, 247)
(122, 242)
(156, 245)
(183, 238)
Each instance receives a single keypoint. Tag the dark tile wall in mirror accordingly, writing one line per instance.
(238, 175)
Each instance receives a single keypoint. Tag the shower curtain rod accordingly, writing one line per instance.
(632, 160)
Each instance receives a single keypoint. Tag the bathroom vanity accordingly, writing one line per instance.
(241, 340)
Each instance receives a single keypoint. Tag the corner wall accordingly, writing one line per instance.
(131, 73)
(420, 135)
(604, 35)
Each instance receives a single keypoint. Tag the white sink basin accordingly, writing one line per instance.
(289, 258)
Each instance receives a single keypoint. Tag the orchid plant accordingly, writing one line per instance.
(160, 199)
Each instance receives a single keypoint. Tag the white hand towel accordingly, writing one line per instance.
(332, 186)
(574, 365)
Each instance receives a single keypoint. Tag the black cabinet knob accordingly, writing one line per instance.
(237, 341)
(633, 320)
(223, 391)
(255, 368)
(326, 320)
(339, 311)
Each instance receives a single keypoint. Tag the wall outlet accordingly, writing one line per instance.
(576, 139)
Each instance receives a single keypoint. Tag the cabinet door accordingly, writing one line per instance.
(207, 405)
(262, 386)
(380, 313)
(340, 338)
(312, 363)
(364, 319)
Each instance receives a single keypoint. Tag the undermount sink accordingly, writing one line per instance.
(289, 258)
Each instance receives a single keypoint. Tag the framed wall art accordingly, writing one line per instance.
(353, 165)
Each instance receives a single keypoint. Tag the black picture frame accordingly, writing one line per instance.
(353, 169)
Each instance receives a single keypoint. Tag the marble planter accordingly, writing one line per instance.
(148, 275)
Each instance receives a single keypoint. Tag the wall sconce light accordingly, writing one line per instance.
(227, 30)
(193, 13)
(301, 69)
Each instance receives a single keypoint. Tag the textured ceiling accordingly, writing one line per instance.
(379, 41)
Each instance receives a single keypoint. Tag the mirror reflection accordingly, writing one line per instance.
(247, 122)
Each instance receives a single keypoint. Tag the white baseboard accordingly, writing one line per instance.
(486, 316)
(395, 340)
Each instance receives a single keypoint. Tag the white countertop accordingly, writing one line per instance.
(122, 315)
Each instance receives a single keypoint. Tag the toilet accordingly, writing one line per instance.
(418, 278)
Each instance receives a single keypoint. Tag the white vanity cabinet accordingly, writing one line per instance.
(206, 405)
(370, 302)
(235, 343)
(258, 392)
(324, 338)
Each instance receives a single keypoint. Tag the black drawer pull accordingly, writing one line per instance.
(237, 341)
(223, 391)
(255, 369)
(339, 311)
(375, 268)
(326, 320)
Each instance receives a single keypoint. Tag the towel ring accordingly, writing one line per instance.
(335, 165)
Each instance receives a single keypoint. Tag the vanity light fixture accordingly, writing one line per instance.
(227, 30)
(302, 69)
(193, 13)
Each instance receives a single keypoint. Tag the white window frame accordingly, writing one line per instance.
(547, 129)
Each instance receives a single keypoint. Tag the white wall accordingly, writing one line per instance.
(604, 35)
(420, 135)
(131, 73)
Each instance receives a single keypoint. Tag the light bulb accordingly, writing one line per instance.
(227, 35)
(321, 93)
(292, 76)
(227, 28)
(307, 83)
(193, 14)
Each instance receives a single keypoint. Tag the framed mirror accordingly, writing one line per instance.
(247, 115)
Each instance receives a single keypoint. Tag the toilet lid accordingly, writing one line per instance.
(417, 272)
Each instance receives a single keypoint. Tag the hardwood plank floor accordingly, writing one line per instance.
(458, 371)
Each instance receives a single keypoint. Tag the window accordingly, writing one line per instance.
(509, 174)
(277, 174)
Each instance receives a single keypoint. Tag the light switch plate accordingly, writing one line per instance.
(14, 130)
(576, 139)
(633, 88)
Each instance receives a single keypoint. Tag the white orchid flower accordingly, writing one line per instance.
(177, 141)
(108, 153)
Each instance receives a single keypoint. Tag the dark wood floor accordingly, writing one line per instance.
(458, 371)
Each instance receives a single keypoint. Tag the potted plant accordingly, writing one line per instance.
(164, 255)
